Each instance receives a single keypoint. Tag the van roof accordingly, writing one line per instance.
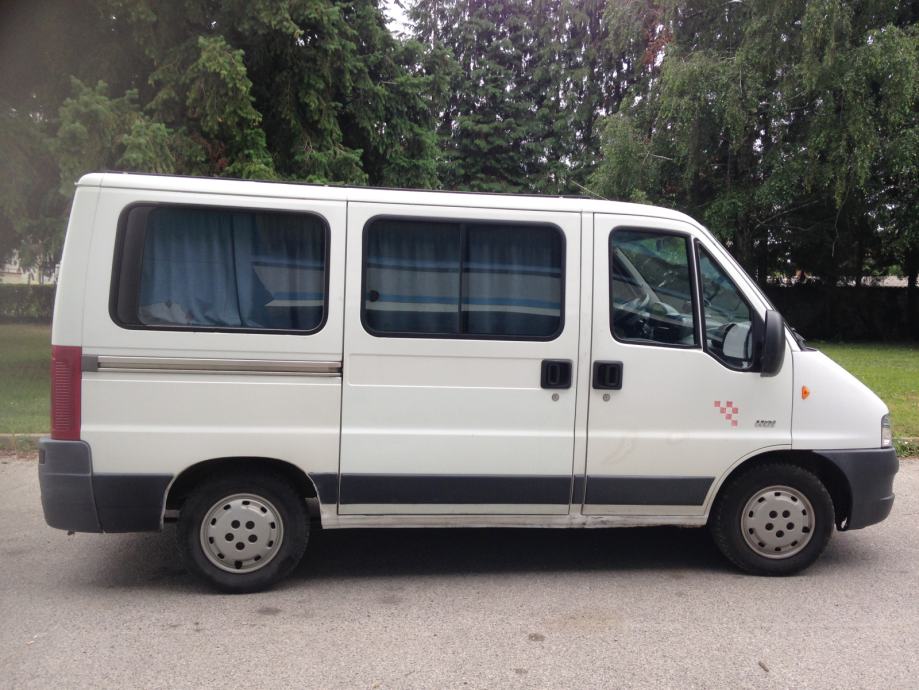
(379, 195)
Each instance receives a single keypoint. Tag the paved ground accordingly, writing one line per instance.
(435, 609)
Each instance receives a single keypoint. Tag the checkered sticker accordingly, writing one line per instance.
(729, 411)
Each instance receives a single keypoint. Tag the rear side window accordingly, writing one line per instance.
(463, 280)
(197, 268)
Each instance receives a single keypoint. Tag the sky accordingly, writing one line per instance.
(398, 21)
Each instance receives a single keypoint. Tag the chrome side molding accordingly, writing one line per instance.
(194, 365)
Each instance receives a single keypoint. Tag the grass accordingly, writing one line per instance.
(25, 356)
(892, 371)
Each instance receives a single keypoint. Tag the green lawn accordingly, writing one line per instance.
(892, 371)
(25, 357)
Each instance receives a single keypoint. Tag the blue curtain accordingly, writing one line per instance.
(412, 277)
(231, 269)
(450, 279)
(512, 281)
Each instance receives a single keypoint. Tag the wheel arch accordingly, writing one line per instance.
(827, 472)
(185, 482)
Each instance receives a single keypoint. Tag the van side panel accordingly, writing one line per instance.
(156, 402)
(838, 412)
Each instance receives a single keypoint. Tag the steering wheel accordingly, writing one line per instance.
(633, 317)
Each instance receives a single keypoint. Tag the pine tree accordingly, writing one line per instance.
(528, 81)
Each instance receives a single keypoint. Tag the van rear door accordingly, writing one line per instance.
(460, 360)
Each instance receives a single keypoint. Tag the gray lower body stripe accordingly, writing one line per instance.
(647, 491)
(413, 489)
(326, 484)
(454, 489)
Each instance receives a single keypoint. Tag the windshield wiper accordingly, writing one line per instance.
(802, 343)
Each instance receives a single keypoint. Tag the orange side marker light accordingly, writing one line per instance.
(805, 392)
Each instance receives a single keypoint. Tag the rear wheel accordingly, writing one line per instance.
(774, 519)
(243, 532)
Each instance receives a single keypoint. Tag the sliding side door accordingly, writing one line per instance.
(460, 357)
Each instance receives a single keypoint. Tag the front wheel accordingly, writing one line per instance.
(243, 532)
(774, 519)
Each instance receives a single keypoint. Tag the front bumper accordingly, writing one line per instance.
(870, 474)
(76, 499)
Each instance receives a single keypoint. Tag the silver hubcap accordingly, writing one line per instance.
(777, 522)
(241, 533)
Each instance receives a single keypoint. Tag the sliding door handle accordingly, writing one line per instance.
(556, 373)
(607, 375)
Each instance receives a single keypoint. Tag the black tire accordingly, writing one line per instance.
(290, 507)
(725, 521)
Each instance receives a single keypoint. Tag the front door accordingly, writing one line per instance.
(676, 397)
(460, 358)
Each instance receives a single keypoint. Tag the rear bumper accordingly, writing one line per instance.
(74, 498)
(870, 474)
(65, 475)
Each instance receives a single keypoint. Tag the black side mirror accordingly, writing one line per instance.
(773, 344)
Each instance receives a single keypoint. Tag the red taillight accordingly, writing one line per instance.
(65, 392)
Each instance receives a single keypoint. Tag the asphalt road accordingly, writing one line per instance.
(462, 608)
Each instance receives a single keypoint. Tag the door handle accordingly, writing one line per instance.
(556, 373)
(607, 375)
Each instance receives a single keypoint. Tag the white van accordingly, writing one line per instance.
(244, 356)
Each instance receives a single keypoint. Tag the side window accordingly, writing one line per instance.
(463, 280)
(512, 281)
(411, 277)
(651, 293)
(728, 316)
(200, 268)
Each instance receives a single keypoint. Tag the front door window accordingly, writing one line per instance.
(728, 316)
(651, 288)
